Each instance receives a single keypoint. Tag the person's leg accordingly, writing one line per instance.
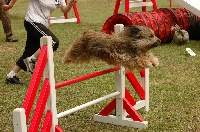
(41, 31)
(31, 47)
(6, 22)
(36, 54)
(32, 50)
(12, 76)
(31, 61)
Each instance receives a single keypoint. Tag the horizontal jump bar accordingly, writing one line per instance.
(62, 114)
(82, 78)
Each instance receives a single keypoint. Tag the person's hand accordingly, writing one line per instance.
(73, 1)
(6, 7)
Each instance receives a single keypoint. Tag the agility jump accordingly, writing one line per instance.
(65, 19)
(123, 103)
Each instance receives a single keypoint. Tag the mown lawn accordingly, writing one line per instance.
(174, 85)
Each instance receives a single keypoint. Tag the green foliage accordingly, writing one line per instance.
(174, 85)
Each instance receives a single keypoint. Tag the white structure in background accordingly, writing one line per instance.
(61, 19)
(192, 5)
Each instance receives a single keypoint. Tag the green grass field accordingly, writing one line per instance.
(174, 85)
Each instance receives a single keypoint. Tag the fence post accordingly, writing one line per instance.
(120, 83)
(49, 73)
(144, 82)
(19, 120)
(146, 88)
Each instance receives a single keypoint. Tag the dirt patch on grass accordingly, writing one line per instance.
(3, 48)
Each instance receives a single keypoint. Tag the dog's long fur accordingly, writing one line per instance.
(129, 48)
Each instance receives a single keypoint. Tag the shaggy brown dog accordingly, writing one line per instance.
(128, 48)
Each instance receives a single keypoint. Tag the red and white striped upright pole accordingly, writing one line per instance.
(144, 82)
(47, 97)
(49, 73)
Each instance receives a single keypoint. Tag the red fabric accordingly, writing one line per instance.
(160, 21)
(167, 27)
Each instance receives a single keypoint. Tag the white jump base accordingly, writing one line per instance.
(62, 19)
(122, 122)
(137, 3)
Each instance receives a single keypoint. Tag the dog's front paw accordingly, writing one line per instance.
(154, 60)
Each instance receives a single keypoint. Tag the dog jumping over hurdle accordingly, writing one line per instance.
(129, 48)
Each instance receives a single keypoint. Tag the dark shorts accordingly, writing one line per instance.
(34, 32)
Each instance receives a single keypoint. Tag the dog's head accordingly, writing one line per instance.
(143, 36)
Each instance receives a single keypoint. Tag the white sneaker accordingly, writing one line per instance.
(30, 64)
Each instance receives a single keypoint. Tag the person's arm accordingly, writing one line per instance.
(9, 6)
(66, 8)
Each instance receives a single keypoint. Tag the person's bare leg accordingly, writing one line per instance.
(16, 69)
(37, 53)
(35, 56)
(12, 76)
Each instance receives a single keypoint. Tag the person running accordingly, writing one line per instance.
(36, 24)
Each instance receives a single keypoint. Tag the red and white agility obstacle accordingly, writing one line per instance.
(134, 3)
(123, 103)
(65, 19)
